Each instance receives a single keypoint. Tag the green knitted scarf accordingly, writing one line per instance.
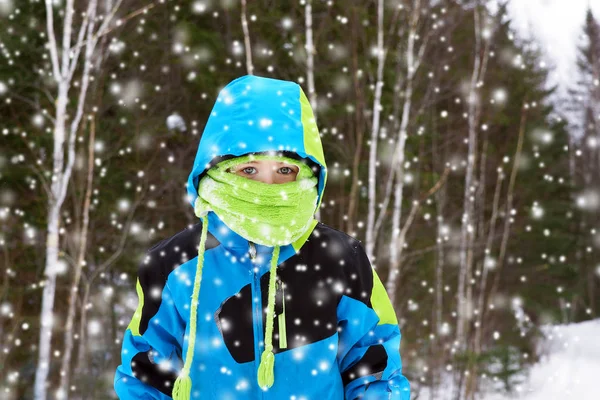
(269, 214)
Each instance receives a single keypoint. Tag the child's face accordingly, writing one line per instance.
(267, 171)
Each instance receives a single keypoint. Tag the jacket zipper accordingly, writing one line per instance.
(256, 310)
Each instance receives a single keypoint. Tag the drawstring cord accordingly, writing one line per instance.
(266, 375)
(183, 384)
(182, 388)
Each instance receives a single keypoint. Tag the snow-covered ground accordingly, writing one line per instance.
(569, 370)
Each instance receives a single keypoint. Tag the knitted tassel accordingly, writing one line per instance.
(182, 390)
(266, 374)
(266, 377)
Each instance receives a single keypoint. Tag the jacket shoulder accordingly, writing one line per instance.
(347, 255)
(173, 251)
(333, 236)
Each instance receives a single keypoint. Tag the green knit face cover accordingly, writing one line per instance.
(268, 214)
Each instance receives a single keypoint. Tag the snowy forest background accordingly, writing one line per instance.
(473, 185)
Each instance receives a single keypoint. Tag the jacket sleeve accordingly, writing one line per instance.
(369, 337)
(151, 349)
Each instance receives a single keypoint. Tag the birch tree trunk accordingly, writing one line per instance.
(509, 201)
(394, 126)
(416, 205)
(63, 390)
(310, 52)
(398, 167)
(480, 197)
(468, 231)
(353, 198)
(486, 263)
(440, 201)
(56, 198)
(248, 48)
(81, 351)
(63, 73)
(310, 66)
(473, 205)
(381, 53)
(595, 167)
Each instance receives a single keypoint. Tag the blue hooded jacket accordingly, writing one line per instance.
(336, 333)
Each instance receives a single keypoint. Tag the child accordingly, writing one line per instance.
(259, 299)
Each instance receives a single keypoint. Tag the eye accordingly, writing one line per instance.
(286, 170)
(248, 170)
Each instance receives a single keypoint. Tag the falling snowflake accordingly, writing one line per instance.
(176, 122)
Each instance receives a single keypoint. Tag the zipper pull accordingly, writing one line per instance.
(252, 250)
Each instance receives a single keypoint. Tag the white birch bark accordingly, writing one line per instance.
(509, 202)
(595, 167)
(485, 267)
(392, 143)
(310, 61)
(416, 205)
(63, 390)
(63, 73)
(398, 158)
(440, 202)
(400, 65)
(358, 124)
(248, 48)
(310, 67)
(372, 195)
(54, 201)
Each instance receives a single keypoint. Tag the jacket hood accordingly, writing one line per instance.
(254, 114)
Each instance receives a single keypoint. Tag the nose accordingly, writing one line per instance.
(267, 178)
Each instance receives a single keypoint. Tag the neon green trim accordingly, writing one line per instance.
(282, 331)
(281, 320)
(134, 325)
(312, 138)
(323, 190)
(381, 302)
(297, 245)
(182, 388)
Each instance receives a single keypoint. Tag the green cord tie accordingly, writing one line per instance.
(268, 214)
(266, 375)
(183, 384)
